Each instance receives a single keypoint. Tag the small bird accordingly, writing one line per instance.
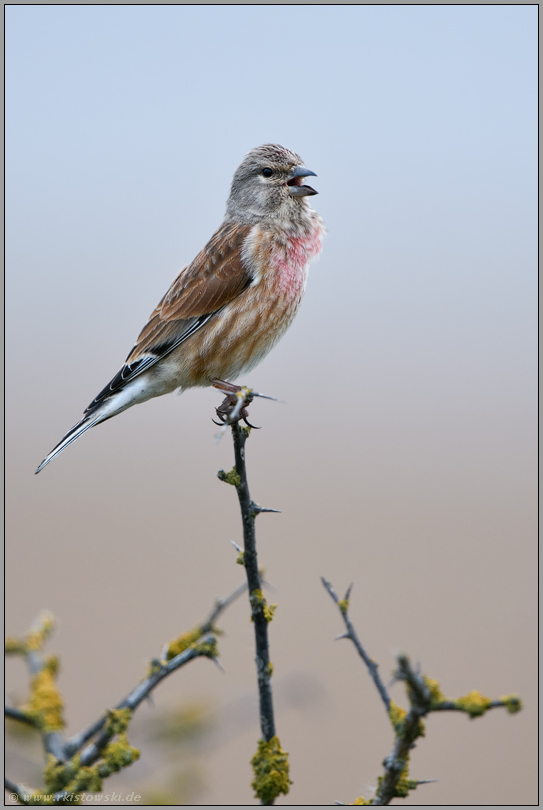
(227, 309)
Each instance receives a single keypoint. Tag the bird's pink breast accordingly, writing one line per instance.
(291, 260)
(248, 327)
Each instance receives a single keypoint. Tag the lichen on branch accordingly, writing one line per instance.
(271, 770)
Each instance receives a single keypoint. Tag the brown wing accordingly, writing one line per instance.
(215, 277)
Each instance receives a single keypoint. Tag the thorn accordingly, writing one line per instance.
(220, 666)
(392, 683)
(348, 592)
(426, 781)
(258, 509)
(269, 585)
(341, 804)
(265, 396)
(149, 699)
(238, 548)
(343, 635)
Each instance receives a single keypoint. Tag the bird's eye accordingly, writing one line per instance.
(267, 172)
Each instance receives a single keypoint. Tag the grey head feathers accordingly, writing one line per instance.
(267, 185)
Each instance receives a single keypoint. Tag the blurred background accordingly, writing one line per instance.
(404, 457)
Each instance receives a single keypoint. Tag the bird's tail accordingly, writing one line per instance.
(87, 422)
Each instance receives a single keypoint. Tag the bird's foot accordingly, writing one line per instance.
(234, 406)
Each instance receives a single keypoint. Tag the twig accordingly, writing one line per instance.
(21, 717)
(220, 606)
(270, 762)
(92, 752)
(396, 763)
(202, 643)
(423, 702)
(77, 742)
(26, 795)
(450, 706)
(19, 791)
(249, 510)
(424, 696)
(343, 606)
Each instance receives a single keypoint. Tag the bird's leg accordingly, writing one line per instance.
(228, 405)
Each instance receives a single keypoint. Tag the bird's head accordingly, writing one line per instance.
(269, 183)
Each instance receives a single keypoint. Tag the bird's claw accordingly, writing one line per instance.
(230, 412)
(253, 427)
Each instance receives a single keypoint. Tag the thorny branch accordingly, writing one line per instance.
(92, 752)
(424, 696)
(199, 642)
(343, 605)
(249, 511)
(270, 763)
(21, 717)
(163, 669)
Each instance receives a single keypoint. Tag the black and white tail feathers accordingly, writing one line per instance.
(87, 422)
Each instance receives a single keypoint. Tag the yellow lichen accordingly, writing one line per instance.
(182, 643)
(207, 648)
(357, 802)
(397, 716)
(473, 703)
(343, 605)
(404, 785)
(240, 559)
(85, 779)
(36, 638)
(269, 669)
(257, 600)
(14, 646)
(269, 610)
(45, 705)
(271, 769)
(154, 666)
(512, 703)
(231, 477)
(58, 774)
(117, 720)
(72, 777)
(436, 695)
(117, 755)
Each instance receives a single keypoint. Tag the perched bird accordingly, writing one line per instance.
(230, 306)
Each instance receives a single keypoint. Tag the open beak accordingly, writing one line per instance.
(296, 185)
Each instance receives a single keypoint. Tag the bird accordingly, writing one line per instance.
(228, 308)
